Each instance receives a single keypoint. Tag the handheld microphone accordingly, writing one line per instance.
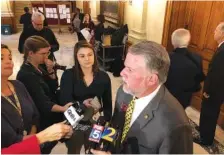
(95, 134)
(102, 135)
(72, 116)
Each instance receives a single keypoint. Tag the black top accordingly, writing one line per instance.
(46, 33)
(72, 89)
(43, 91)
(99, 30)
(185, 75)
(89, 25)
(12, 126)
(25, 19)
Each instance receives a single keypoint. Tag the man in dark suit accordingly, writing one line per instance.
(25, 19)
(213, 96)
(153, 117)
(185, 73)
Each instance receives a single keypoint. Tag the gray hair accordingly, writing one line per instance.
(156, 57)
(181, 38)
(222, 26)
(37, 15)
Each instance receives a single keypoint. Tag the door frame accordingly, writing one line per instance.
(167, 20)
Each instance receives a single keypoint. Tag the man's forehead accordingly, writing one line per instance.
(134, 61)
(38, 20)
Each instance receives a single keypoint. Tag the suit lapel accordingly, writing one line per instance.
(147, 114)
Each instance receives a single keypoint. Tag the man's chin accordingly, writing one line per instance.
(126, 90)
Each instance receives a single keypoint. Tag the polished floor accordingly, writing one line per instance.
(65, 57)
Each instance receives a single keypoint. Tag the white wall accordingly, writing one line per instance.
(6, 10)
(155, 20)
(79, 4)
(95, 9)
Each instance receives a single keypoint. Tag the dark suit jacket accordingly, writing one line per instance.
(214, 82)
(185, 75)
(162, 127)
(25, 19)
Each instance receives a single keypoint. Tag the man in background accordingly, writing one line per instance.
(213, 92)
(36, 9)
(25, 19)
(185, 73)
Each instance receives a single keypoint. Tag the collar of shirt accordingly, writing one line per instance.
(221, 43)
(141, 103)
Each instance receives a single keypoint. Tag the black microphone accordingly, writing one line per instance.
(109, 144)
(132, 146)
(95, 135)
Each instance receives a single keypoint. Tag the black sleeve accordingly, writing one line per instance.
(41, 100)
(107, 99)
(22, 39)
(54, 43)
(21, 21)
(179, 141)
(52, 83)
(66, 87)
(215, 75)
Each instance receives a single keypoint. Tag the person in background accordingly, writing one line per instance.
(213, 90)
(83, 83)
(76, 22)
(87, 24)
(36, 9)
(25, 19)
(38, 29)
(19, 116)
(31, 145)
(81, 15)
(99, 29)
(186, 72)
(41, 84)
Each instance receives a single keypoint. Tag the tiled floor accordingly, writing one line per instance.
(65, 57)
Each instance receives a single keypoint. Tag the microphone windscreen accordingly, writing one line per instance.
(88, 114)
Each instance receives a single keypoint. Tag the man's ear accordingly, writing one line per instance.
(30, 53)
(152, 79)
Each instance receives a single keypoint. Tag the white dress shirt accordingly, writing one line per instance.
(141, 103)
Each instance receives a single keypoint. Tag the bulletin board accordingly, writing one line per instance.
(64, 14)
(55, 13)
(51, 14)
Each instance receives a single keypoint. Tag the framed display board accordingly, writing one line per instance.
(113, 11)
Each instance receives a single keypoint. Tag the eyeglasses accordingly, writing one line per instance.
(44, 54)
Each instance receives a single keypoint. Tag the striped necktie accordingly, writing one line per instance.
(128, 117)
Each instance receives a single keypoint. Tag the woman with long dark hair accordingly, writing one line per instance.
(87, 24)
(84, 83)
